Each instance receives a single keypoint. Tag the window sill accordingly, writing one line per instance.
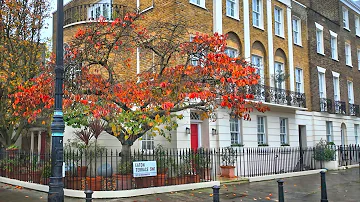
(280, 36)
(349, 65)
(147, 9)
(299, 45)
(232, 17)
(323, 54)
(257, 27)
(200, 6)
(346, 28)
(337, 60)
(358, 35)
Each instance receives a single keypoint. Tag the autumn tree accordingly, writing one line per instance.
(24, 83)
(184, 75)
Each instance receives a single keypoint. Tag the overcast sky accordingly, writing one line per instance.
(47, 33)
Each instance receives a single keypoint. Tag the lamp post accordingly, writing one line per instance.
(56, 186)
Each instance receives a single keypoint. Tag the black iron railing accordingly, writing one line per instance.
(325, 105)
(109, 170)
(340, 107)
(354, 110)
(88, 12)
(277, 96)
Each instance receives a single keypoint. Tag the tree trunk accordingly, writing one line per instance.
(125, 150)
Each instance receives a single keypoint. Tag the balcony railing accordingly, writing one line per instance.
(87, 12)
(354, 110)
(340, 107)
(277, 96)
(325, 105)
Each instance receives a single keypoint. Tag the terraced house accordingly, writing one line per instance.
(290, 42)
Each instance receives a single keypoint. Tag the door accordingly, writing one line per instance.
(302, 144)
(343, 134)
(194, 136)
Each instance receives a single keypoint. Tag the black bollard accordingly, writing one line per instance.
(323, 187)
(281, 190)
(88, 194)
(216, 193)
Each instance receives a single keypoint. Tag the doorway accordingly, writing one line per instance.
(343, 134)
(302, 144)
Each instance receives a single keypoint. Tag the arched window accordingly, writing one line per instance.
(280, 75)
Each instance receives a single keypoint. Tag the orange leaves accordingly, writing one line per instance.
(80, 33)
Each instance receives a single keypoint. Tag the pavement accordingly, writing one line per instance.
(342, 186)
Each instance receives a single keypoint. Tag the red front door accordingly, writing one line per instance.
(194, 137)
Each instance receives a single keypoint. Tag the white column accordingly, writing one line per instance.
(291, 50)
(138, 4)
(137, 60)
(269, 11)
(39, 142)
(247, 42)
(32, 142)
(217, 13)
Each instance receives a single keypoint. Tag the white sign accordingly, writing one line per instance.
(144, 168)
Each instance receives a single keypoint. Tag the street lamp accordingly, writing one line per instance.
(56, 186)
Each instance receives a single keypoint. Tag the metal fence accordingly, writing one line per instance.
(102, 169)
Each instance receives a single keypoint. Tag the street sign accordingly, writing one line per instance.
(144, 168)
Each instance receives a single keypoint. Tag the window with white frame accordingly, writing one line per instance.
(200, 3)
(296, 23)
(279, 75)
(232, 8)
(329, 131)
(147, 142)
(299, 80)
(345, 17)
(257, 13)
(333, 45)
(356, 133)
(336, 87)
(283, 131)
(279, 24)
(350, 87)
(261, 130)
(357, 25)
(322, 85)
(348, 54)
(235, 131)
(257, 62)
(358, 58)
(231, 52)
(195, 58)
(101, 9)
(319, 39)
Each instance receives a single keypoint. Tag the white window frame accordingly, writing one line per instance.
(319, 38)
(261, 130)
(299, 80)
(147, 139)
(235, 131)
(357, 25)
(334, 46)
(279, 66)
(279, 21)
(296, 23)
(350, 87)
(358, 58)
(257, 13)
(345, 12)
(98, 9)
(329, 131)
(231, 52)
(356, 133)
(336, 82)
(200, 3)
(232, 6)
(259, 67)
(322, 82)
(284, 131)
(348, 60)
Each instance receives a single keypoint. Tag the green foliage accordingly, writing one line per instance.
(228, 156)
(263, 145)
(163, 161)
(125, 167)
(285, 145)
(324, 152)
(12, 147)
(46, 173)
(237, 145)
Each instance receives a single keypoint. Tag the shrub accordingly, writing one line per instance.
(324, 152)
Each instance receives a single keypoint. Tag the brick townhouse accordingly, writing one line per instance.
(277, 36)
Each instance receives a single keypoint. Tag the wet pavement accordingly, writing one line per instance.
(342, 186)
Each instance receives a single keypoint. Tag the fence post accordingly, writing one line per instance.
(323, 187)
(88, 194)
(281, 190)
(216, 192)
